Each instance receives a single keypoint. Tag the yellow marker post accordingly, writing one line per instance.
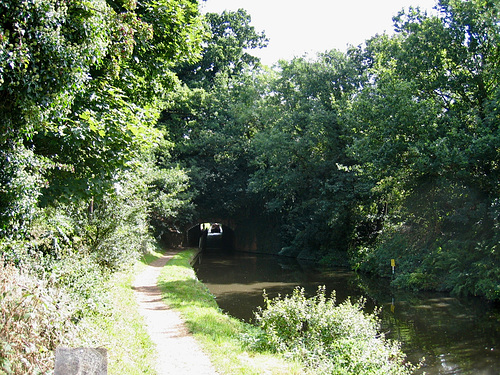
(393, 265)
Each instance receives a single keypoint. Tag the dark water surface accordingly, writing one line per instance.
(456, 336)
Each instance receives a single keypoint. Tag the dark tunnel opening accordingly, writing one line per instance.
(211, 236)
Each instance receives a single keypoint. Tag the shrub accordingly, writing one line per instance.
(84, 281)
(328, 338)
(113, 230)
(20, 184)
(55, 252)
(35, 318)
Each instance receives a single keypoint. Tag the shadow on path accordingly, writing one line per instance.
(178, 351)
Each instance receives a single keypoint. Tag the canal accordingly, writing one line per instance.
(456, 336)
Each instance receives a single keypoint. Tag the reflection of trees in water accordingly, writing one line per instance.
(455, 336)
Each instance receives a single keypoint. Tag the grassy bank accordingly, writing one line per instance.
(219, 334)
(122, 330)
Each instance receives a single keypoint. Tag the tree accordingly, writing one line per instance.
(298, 152)
(72, 84)
(213, 142)
(47, 49)
(81, 86)
(212, 118)
(425, 135)
(229, 37)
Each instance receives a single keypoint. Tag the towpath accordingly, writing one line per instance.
(178, 351)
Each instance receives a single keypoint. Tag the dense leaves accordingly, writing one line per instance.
(297, 151)
(229, 38)
(211, 120)
(81, 87)
(20, 188)
(47, 50)
(74, 76)
(329, 338)
(388, 151)
(425, 133)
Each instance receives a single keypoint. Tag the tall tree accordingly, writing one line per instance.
(230, 37)
(71, 81)
(299, 151)
(427, 134)
(213, 117)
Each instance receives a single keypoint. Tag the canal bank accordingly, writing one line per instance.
(456, 336)
(218, 334)
(236, 347)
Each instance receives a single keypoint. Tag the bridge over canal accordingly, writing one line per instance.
(248, 234)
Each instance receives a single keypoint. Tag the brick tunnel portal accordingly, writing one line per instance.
(211, 235)
(247, 233)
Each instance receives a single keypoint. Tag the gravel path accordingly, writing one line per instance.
(178, 351)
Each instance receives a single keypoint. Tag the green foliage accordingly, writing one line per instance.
(448, 243)
(75, 119)
(211, 119)
(81, 83)
(173, 35)
(457, 49)
(212, 140)
(105, 235)
(115, 229)
(47, 49)
(20, 186)
(387, 151)
(103, 135)
(299, 153)
(328, 338)
(81, 87)
(72, 250)
(424, 134)
(171, 199)
(84, 281)
(229, 37)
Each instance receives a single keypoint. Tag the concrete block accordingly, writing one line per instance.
(81, 361)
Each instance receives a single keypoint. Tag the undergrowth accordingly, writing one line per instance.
(327, 338)
(70, 302)
(35, 318)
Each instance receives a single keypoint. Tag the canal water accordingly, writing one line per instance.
(456, 336)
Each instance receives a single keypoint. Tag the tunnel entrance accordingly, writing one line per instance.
(211, 236)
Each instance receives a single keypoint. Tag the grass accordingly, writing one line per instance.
(122, 330)
(219, 334)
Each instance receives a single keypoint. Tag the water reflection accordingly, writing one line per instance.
(238, 280)
(455, 336)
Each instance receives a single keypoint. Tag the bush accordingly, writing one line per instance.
(20, 185)
(328, 338)
(112, 232)
(84, 281)
(55, 253)
(35, 318)
(449, 244)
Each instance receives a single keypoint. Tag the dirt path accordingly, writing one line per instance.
(178, 351)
